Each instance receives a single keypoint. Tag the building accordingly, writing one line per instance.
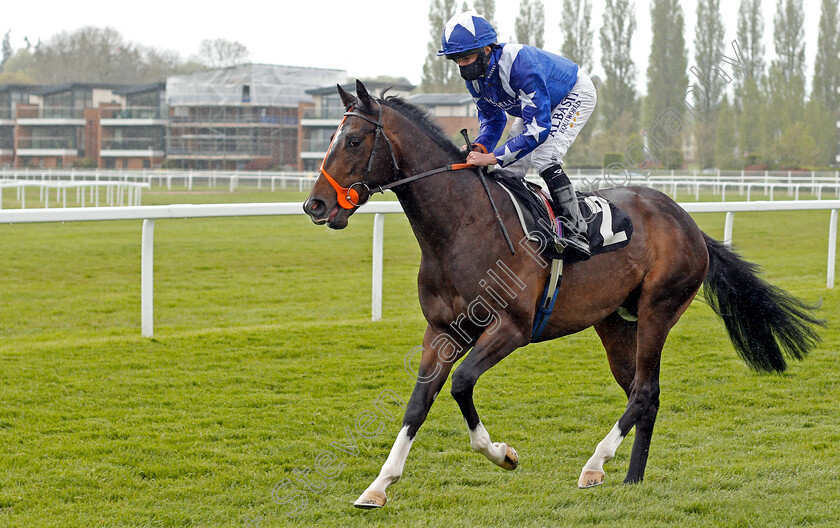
(252, 116)
(320, 118)
(243, 117)
(51, 128)
(10, 96)
(454, 112)
(132, 133)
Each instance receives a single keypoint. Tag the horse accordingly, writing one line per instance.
(479, 297)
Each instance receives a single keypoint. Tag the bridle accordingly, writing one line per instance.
(348, 197)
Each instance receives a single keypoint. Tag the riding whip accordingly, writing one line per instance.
(490, 196)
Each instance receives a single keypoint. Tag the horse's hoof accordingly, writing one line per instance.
(371, 499)
(511, 460)
(589, 478)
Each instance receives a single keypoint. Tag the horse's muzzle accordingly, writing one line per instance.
(320, 213)
(316, 209)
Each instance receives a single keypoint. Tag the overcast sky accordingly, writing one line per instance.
(366, 38)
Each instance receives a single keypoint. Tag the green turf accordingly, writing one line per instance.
(264, 356)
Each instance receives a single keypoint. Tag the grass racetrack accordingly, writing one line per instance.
(264, 360)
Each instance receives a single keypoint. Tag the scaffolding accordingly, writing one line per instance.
(239, 116)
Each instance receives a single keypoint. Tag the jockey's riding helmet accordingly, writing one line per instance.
(465, 34)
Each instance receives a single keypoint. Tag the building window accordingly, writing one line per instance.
(246, 94)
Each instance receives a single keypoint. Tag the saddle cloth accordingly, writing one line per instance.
(609, 228)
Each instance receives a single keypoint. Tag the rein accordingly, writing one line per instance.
(447, 168)
(348, 197)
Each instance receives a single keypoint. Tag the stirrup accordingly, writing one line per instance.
(564, 245)
(573, 241)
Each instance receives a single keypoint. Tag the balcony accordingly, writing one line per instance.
(135, 112)
(61, 143)
(323, 113)
(47, 146)
(50, 112)
(315, 145)
(230, 117)
(134, 116)
(217, 148)
(50, 115)
(133, 147)
(133, 144)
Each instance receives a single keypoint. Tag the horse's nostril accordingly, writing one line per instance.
(315, 207)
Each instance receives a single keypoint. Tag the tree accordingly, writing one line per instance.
(577, 26)
(221, 53)
(21, 62)
(725, 155)
(156, 64)
(666, 73)
(749, 97)
(89, 54)
(708, 47)
(530, 23)
(785, 106)
(440, 75)
(15, 78)
(618, 95)
(749, 35)
(794, 148)
(827, 63)
(751, 129)
(789, 38)
(6, 49)
(487, 9)
(820, 126)
(98, 55)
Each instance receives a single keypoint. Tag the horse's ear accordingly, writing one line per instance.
(363, 95)
(346, 98)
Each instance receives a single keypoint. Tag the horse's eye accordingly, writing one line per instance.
(354, 142)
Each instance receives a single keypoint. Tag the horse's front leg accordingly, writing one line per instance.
(439, 352)
(488, 351)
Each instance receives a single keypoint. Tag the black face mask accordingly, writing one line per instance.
(475, 69)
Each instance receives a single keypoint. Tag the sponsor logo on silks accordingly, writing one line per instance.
(565, 118)
(506, 104)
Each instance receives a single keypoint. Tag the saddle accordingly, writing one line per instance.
(609, 228)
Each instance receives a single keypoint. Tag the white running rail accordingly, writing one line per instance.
(149, 214)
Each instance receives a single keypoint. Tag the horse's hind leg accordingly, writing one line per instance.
(657, 314)
(619, 339)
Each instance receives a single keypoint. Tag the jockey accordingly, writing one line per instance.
(549, 97)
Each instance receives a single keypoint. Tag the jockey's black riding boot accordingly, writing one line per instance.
(563, 195)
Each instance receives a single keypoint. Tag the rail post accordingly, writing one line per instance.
(378, 243)
(147, 265)
(727, 229)
(832, 248)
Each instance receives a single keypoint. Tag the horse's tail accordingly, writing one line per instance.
(764, 322)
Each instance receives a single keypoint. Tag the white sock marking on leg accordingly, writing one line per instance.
(606, 449)
(393, 467)
(480, 441)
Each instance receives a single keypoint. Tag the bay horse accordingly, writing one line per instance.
(480, 299)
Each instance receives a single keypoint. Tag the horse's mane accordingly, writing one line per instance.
(422, 119)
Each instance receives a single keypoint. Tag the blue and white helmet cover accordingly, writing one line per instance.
(466, 32)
